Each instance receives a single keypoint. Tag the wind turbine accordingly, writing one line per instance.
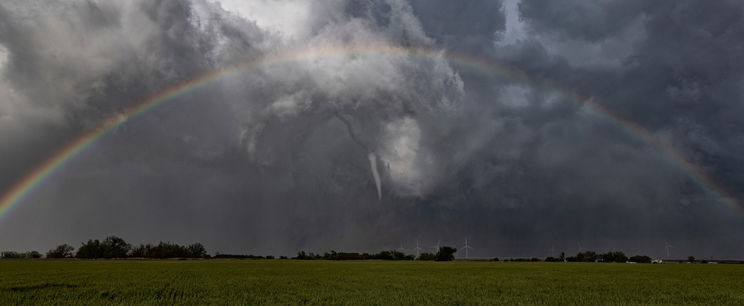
(418, 248)
(436, 248)
(667, 246)
(401, 248)
(579, 244)
(466, 247)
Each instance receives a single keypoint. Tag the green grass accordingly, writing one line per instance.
(248, 282)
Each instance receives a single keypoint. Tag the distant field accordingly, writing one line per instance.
(35, 282)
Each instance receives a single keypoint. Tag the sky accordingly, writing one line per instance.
(529, 127)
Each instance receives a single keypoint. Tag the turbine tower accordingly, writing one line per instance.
(436, 247)
(466, 247)
(401, 248)
(418, 248)
(667, 246)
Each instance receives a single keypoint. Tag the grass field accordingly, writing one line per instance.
(249, 282)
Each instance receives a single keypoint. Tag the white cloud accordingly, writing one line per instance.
(406, 160)
(290, 105)
(287, 18)
(515, 30)
(3, 58)
(17, 115)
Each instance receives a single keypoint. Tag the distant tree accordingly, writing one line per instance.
(691, 259)
(446, 253)
(197, 250)
(614, 257)
(115, 247)
(10, 255)
(239, 256)
(111, 247)
(61, 251)
(620, 257)
(384, 255)
(533, 259)
(588, 256)
(20, 255)
(348, 256)
(304, 256)
(640, 259)
(90, 249)
(552, 259)
(141, 251)
(495, 259)
(269, 257)
(563, 256)
(398, 255)
(168, 250)
(427, 256)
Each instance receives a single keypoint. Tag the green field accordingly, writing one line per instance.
(251, 282)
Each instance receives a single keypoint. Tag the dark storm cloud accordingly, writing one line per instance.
(599, 165)
(469, 25)
(591, 21)
(276, 158)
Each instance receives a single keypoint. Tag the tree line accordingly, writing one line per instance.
(20, 255)
(591, 256)
(444, 253)
(116, 247)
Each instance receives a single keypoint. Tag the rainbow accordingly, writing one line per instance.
(39, 174)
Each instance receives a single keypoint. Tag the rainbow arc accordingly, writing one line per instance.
(41, 172)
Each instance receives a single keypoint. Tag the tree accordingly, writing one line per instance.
(427, 256)
(446, 253)
(115, 247)
(61, 251)
(141, 251)
(197, 250)
(90, 249)
(552, 259)
(20, 255)
(641, 259)
(588, 256)
(10, 255)
(691, 259)
(304, 256)
(111, 247)
(614, 257)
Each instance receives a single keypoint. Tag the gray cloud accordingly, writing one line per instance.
(264, 161)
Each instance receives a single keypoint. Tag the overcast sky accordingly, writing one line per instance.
(366, 150)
